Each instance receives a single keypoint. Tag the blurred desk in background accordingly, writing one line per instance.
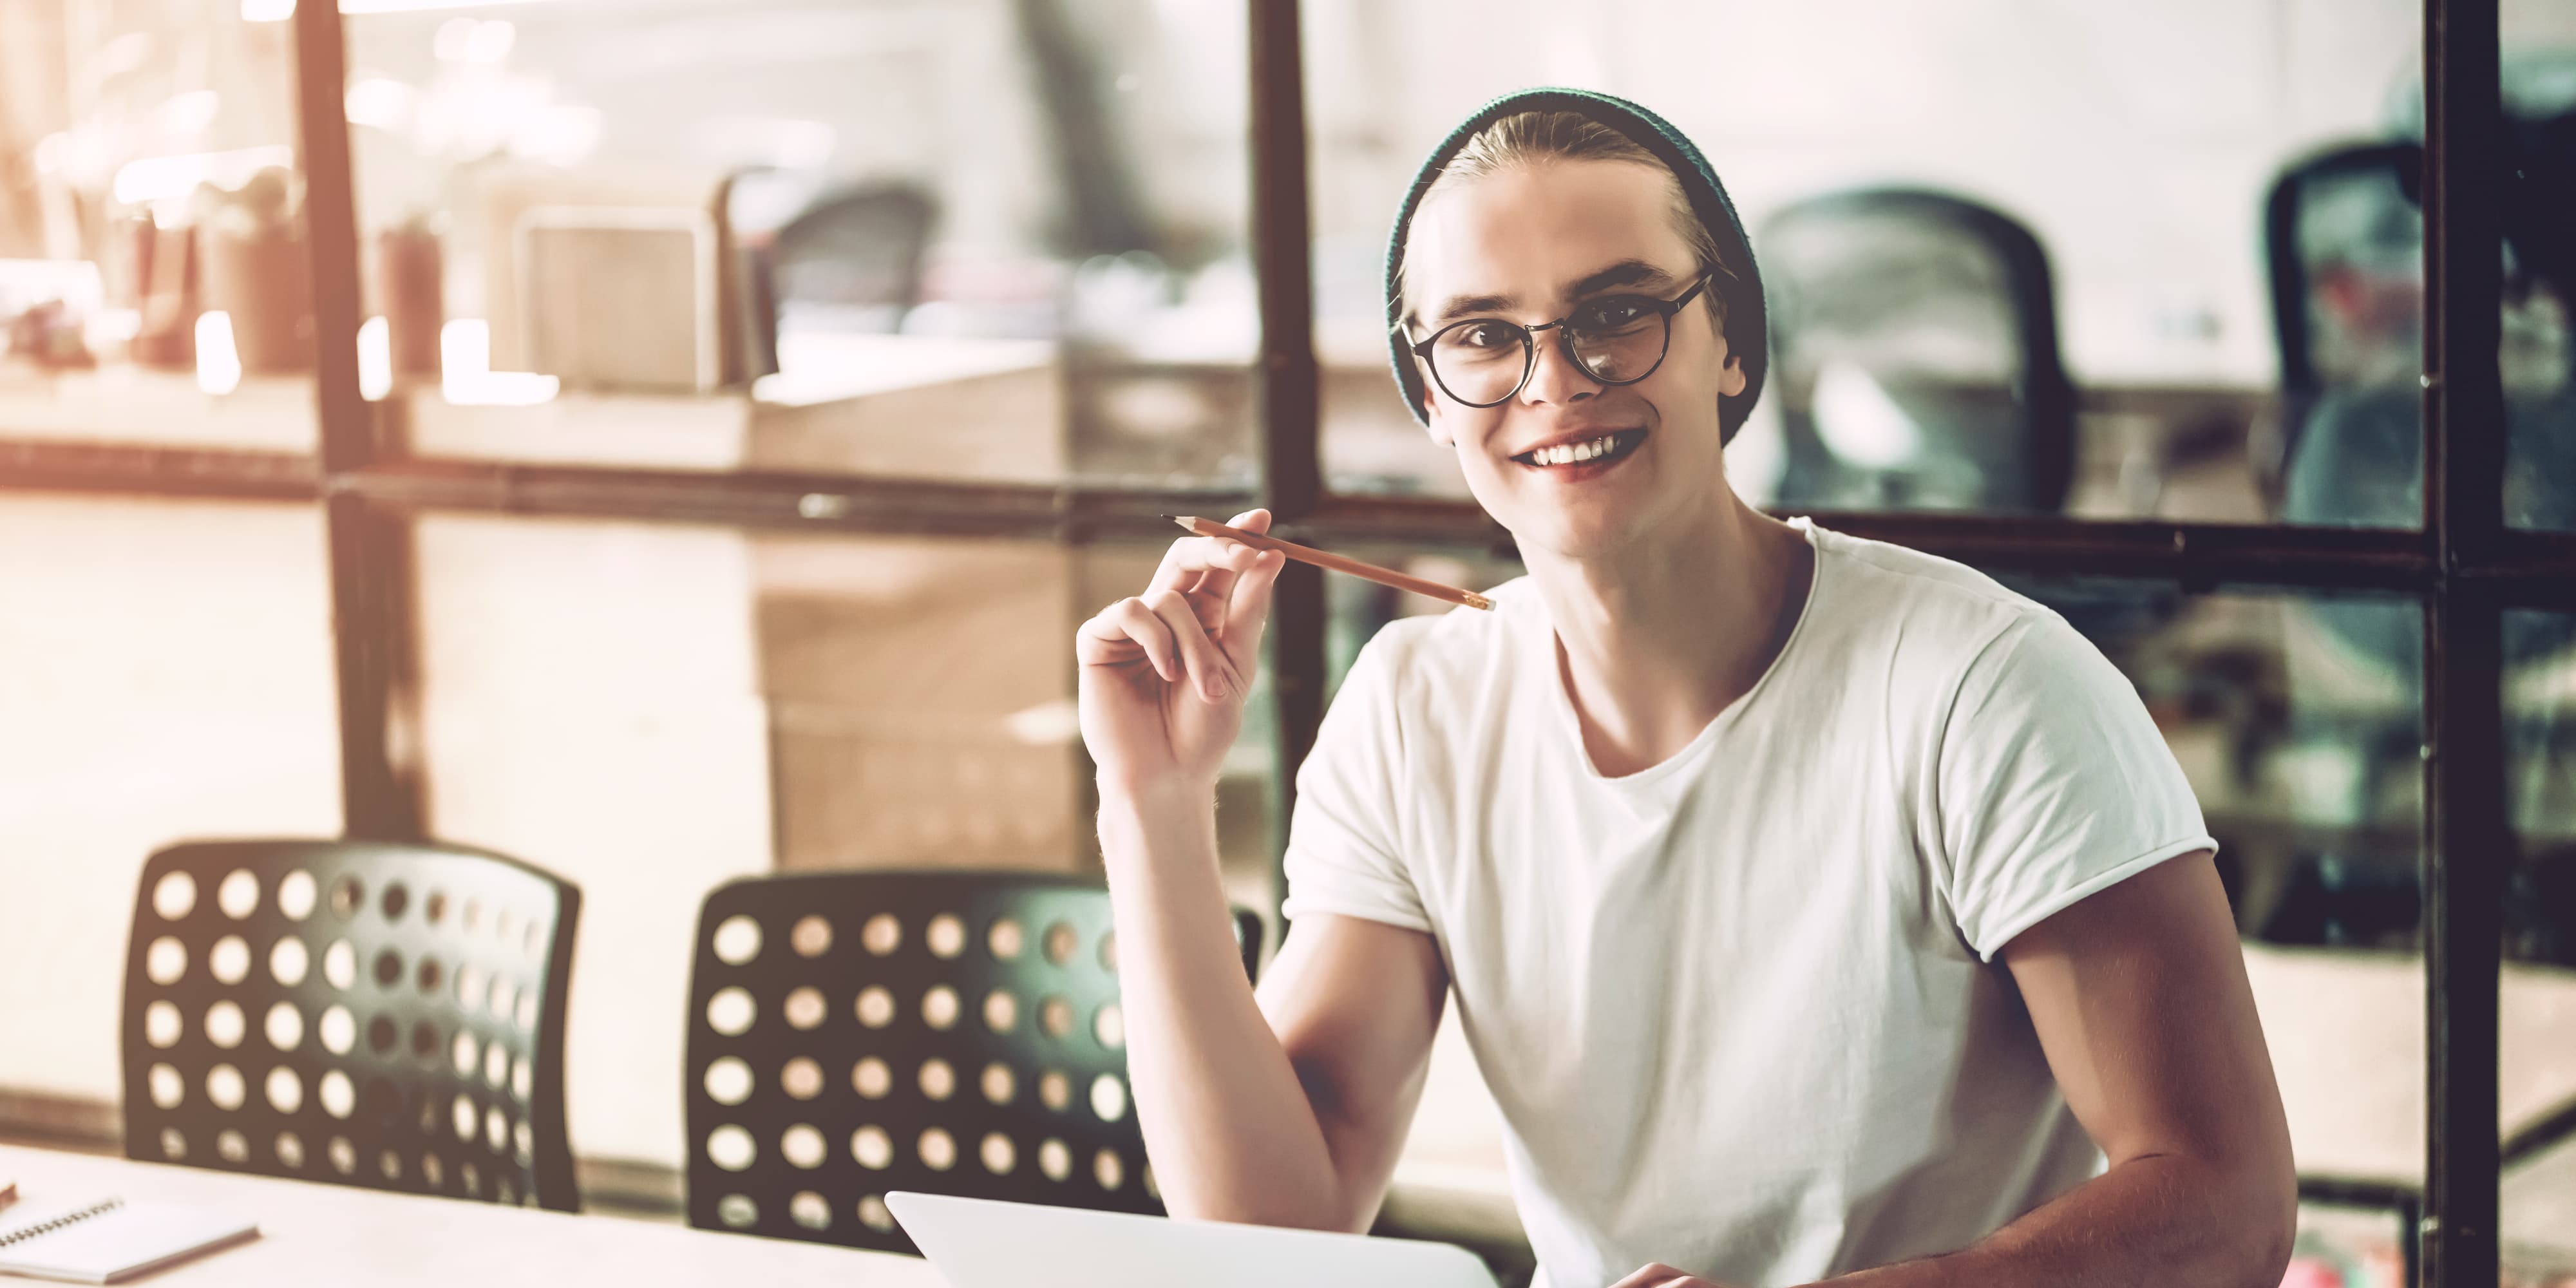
(321, 1234)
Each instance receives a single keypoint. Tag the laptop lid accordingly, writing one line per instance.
(981, 1243)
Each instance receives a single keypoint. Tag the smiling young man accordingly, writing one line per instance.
(1815, 909)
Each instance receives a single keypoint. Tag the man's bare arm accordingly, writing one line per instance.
(1288, 1118)
(2140, 999)
(1289, 1109)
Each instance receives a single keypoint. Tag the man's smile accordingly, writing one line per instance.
(1582, 457)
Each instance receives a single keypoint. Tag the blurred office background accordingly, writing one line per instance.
(710, 356)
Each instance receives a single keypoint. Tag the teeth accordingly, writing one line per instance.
(1573, 453)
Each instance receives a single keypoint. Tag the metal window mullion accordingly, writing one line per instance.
(2468, 846)
(1292, 464)
(370, 567)
(2536, 568)
(2468, 851)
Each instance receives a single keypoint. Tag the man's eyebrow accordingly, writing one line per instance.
(1627, 272)
(1459, 306)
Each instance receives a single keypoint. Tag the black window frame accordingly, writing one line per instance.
(2465, 565)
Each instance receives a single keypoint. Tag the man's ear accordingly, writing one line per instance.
(1730, 382)
(1435, 418)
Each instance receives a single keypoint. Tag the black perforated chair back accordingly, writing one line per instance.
(388, 1016)
(1914, 351)
(852, 1033)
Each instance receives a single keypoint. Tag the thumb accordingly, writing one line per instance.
(1247, 612)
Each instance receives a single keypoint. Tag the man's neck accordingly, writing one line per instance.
(1655, 641)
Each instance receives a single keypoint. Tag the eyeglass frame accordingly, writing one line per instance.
(1668, 309)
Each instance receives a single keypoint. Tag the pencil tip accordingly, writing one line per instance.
(1184, 520)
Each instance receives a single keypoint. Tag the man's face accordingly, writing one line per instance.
(1527, 245)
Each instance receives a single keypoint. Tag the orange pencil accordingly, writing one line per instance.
(1323, 559)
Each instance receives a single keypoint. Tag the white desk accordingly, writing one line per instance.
(331, 1234)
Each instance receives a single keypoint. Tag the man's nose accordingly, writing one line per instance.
(1554, 377)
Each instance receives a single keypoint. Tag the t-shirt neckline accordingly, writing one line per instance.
(1570, 726)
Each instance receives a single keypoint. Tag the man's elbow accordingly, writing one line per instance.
(2260, 1215)
(1267, 1197)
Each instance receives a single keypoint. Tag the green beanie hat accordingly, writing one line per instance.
(1747, 325)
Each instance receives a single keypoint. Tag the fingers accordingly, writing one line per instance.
(1205, 567)
(1247, 612)
(1201, 618)
(1164, 630)
(1125, 631)
(1211, 672)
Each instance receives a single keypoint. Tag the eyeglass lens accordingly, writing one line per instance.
(1481, 362)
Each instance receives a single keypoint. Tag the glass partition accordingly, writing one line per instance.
(2538, 1043)
(1978, 301)
(165, 670)
(155, 281)
(989, 241)
(651, 709)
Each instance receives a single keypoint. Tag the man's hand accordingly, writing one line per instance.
(1660, 1275)
(1288, 1109)
(1164, 674)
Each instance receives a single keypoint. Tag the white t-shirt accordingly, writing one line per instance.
(1741, 1010)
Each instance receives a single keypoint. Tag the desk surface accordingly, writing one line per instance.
(331, 1234)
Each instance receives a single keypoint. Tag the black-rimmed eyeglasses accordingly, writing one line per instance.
(1616, 339)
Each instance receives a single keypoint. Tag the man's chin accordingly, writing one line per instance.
(1576, 528)
(1577, 537)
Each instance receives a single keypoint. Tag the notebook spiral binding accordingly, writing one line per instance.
(68, 1218)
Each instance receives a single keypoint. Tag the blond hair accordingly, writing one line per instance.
(1528, 138)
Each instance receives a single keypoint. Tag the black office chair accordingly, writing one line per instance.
(1914, 356)
(2344, 234)
(852, 1033)
(380, 1015)
(854, 260)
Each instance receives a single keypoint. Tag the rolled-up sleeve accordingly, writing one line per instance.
(2054, 784)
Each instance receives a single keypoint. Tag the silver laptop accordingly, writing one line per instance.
(979, 1243)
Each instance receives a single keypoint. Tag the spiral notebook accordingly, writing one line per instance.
(109, 1241)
